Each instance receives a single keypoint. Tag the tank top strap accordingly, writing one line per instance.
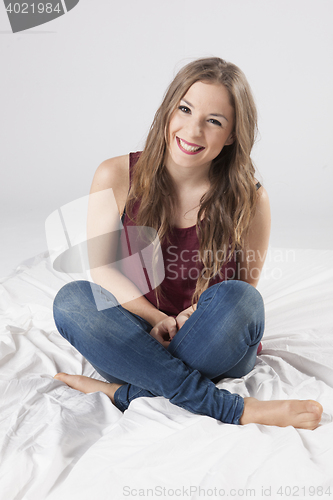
(133, 158)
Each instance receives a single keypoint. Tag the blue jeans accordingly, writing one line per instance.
(220, 339)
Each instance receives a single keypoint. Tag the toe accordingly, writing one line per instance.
(315, 408)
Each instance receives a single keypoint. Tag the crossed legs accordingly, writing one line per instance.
(219, 339)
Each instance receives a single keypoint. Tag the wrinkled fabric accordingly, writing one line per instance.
(219, 340)
(57, 443)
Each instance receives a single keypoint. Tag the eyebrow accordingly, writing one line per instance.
(210, 114)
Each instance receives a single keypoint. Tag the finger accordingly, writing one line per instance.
(153, 332)
(172, 329)
(180, 324)
(173, 334)
(181, 320)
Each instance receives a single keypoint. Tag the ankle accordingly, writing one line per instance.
(112, 388)
(249, 411)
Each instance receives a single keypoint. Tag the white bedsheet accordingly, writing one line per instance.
(57, 443)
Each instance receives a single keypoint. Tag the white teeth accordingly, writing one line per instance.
(188, 148)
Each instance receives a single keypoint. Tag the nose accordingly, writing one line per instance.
(195, 128)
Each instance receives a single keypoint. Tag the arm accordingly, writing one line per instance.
(111, 182)
(256, 247)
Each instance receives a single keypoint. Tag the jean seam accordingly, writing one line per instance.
(185, 336)
(130, 318)
(135, 395)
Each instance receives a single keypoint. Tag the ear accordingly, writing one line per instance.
(230, 139)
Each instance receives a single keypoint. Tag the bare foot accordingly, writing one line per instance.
(88, 385)
(302, 414)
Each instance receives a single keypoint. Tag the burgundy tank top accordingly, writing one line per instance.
(181, 263)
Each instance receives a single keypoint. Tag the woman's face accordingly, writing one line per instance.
(201, 125)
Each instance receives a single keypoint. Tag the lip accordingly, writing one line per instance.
(190, 144)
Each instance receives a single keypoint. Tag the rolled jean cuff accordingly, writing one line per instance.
(117, 401)
(236, 411)
(232, 416)
(122, 397)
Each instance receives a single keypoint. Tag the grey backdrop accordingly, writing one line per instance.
(85, 87)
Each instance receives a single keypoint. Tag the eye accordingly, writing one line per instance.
(215, 122)
(184, 109)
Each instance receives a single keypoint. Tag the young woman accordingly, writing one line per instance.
(194, 184)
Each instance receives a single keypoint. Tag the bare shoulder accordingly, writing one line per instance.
(113, 173)
(261, 222)
(263, 200)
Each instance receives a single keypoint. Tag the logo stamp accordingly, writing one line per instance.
(26, 15)
(86, 238)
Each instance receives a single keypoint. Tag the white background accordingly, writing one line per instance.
(85, 87)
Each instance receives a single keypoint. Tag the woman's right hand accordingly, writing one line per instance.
(164, 331)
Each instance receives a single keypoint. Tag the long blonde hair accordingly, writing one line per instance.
(229, 204)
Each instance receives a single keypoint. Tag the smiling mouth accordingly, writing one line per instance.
(189, 147)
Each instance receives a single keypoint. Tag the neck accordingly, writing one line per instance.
(188, 178)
